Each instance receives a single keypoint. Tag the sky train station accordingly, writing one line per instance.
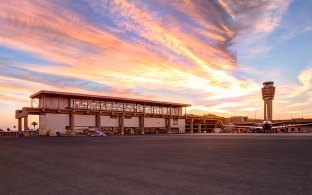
(70, 113)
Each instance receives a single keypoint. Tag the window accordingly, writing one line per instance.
(84, 104)
(109, 105)
(175, 121)
(139, 108)
(103, 105)
(157, 110)
(129, 107)
(75, 103)
(118, 106)
(165, 110)
(174, 111)
(90, 104)
(148, 109)
(97, 105)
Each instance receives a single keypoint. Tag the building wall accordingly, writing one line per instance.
(181, 125)
(107, 121)
(85, 120)
(53, 122)
(178, 123)
(306, 129)
(155, 122)
(58, 122)
(133, 122)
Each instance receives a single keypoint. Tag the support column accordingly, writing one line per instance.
(72, 124)
(122, 124)
(19, 124)
(191, 127)
(142, 125)
(265, 110)
(270, 110)
(98, 121)
(199, 127)
(26, 123)
(168, 124)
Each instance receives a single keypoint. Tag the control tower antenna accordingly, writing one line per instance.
(268, 91)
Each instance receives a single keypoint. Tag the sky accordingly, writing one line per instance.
(213, 54)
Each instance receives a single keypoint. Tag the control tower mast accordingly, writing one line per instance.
(268, 91)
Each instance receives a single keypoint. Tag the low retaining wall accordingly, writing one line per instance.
(8, 133)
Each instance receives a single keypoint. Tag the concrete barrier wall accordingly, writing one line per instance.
(8, 133)
(107, 121)
(133, 122)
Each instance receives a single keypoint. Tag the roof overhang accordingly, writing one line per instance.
(103, 98)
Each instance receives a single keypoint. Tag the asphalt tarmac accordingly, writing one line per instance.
(157, 164)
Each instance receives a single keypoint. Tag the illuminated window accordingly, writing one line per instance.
(139, 108)
(148, 109)
(129, 107)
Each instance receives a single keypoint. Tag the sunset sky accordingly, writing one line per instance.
(213, 54)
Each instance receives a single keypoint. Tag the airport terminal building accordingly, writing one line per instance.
(71, 113)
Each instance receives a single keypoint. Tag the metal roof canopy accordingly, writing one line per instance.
(99, 97)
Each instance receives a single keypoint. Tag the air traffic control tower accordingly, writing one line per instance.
(268, 91)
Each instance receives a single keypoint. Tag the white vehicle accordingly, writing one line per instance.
(217, 130)
(96, 133)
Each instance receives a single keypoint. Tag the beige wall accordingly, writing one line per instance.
(180, 125)
(133, 122)
(155, 122)
(107, 121)
(56, 122)
(85, 120)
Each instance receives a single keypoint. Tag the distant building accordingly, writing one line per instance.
(202, 123)
(71, 113)
(238, 119)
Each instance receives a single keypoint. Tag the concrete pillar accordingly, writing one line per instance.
(26, 123)
(168, 124)
(142, 125)
(98, 121)
(191, 127)
(72, 123)
(19, 125)
(199, 127)
(270, 111)
(122, 124)
(265, 111)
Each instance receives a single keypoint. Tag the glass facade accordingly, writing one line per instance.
(126, 107)
(148, 109)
